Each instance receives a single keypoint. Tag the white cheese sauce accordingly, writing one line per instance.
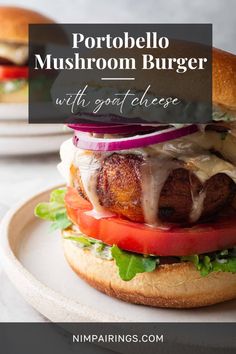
(14, 52)
(67, 152)
(198, 198)
(154, 173)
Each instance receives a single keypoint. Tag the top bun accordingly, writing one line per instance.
(223, 75)
(224, 79)
(14, 23)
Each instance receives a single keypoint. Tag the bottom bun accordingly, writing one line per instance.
(177, 285)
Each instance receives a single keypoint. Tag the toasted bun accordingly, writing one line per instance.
(14, 23)
(223, 75)
(171, 286)
(18, 96)
(224, 79)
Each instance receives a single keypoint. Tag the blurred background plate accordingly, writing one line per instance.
(29, 145)
(22, 128)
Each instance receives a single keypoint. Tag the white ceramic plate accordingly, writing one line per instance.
(34, 261)
(31, 145)
(23, 128)
(13, 111)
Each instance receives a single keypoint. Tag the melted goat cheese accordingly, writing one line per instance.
(155, 172)
(15, 53)
(67, 151)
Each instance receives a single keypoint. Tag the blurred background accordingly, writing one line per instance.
(24, 175)
(219, 12)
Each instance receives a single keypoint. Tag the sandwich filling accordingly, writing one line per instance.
(13, 72)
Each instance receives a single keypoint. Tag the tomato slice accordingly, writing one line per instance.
(8, 72)
(140, 238)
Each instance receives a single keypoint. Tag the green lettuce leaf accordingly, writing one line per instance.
(222, 261)
(82, 240)
(61, 222)
(130, 264)
(54, 211)
(228, 266)
(12, 85)
(222, 116)
(58, 196)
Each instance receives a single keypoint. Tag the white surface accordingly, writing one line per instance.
(17, 137)
(53, 305)
(21, 176)
(219, 12)
(41, 274)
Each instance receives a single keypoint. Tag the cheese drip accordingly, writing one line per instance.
(197, 202)
(155, 172)
(89, 165)
(194, 153)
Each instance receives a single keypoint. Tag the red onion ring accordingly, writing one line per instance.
(110, 128)
(87, 142)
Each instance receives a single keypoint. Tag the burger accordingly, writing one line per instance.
(149, 212)
(14, 52)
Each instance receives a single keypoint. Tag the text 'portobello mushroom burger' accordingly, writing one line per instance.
(14, 51)
(149, 214)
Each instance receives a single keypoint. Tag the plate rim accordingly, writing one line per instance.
(17, 272)
(32, 145)
(11, 263)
